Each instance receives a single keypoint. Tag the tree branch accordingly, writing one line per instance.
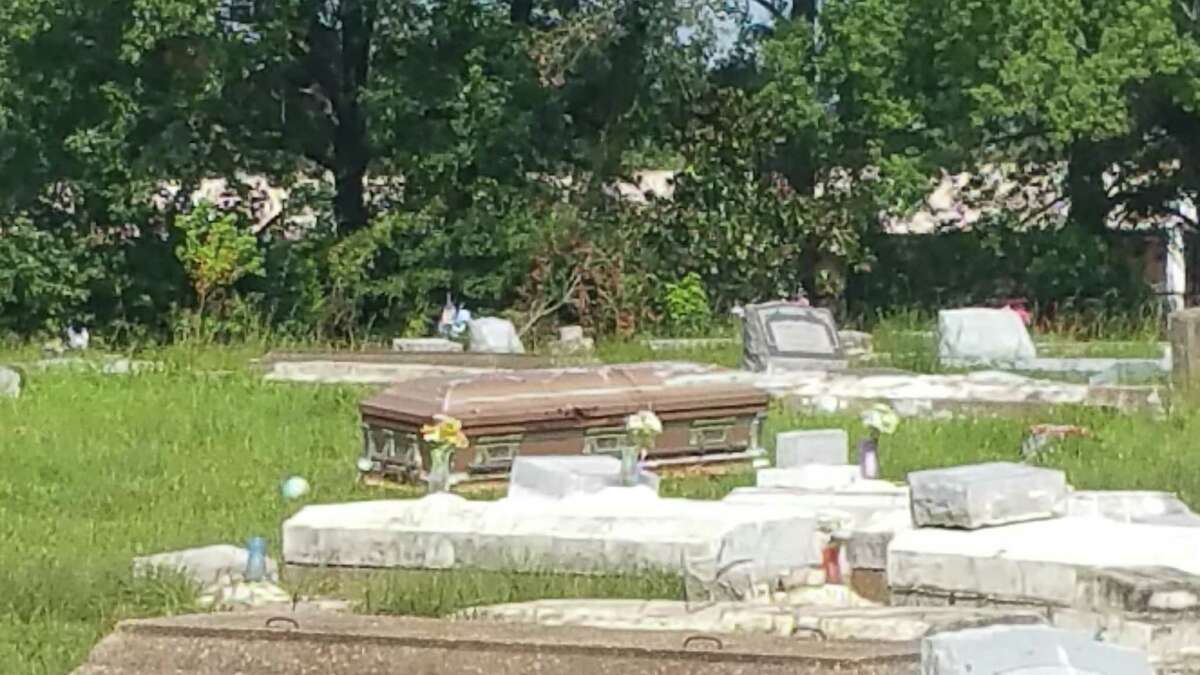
(547, 309)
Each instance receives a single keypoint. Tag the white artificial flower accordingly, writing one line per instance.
(295, 487)
(644, 422)
(365, 465)
(881, 418)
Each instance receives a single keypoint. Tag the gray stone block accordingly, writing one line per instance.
(983, 495)
(10, 383)
(556, 477)
(204, 565)
(1184, 329)
(817, 446)
(1031, 650)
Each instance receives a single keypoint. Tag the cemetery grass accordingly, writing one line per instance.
(99, 469)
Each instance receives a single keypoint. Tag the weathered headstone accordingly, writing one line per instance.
(495, 336)
(1185, 347)
(571, 340)
(425, 345)
(10, 383)
(983, 336)
(816, 446)
(983, 495)
(788, 336)
(1027, 649)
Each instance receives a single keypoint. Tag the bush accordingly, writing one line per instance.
(686, 307)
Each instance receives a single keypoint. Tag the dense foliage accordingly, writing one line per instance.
(471, 147)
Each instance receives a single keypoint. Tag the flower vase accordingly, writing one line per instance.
(868, 458)
(438, 478)
(629, 467)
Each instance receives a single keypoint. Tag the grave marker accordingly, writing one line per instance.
(788, 336)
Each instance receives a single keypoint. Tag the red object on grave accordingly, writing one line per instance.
(829, 560)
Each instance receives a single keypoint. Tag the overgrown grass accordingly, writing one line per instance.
(99, 469)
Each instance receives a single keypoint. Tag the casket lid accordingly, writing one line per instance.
(565, 394)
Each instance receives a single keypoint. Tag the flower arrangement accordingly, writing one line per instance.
(643, 428)
(444, 436)
(879, 420)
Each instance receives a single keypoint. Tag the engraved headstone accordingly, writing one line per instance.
(789, 336)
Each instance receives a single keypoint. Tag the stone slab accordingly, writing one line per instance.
(1040, 650)
(983, 495)
(555, 477)
(982, 336)
(1132, 506)
(1161, 640)
(1048, 562)
(617, 530)
(858, 508)
(204, 565)
(876, 624)
(322, 643)
(810, 477)
(426, 345)
(868, 545)
(811, 446)
(10, 383)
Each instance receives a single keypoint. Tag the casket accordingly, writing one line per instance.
(709, 416)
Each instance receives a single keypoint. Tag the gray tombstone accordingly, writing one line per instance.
(1185, 347)
(10, 383)
(787, 336)
(494, 336)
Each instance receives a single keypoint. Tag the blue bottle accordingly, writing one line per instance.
(256, 562)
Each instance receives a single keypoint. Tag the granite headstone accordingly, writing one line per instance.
(789, 336)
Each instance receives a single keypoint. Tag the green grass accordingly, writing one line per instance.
(99, 469)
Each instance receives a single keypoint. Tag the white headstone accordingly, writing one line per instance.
(814, 446)
(10, 383)
(1027, 650)
(495, 336)
(981, 336)
(983, 495)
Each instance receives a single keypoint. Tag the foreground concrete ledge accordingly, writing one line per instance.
(309, 643)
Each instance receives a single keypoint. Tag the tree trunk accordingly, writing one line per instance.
(351, 151)
(804, 9)
(1085, 187)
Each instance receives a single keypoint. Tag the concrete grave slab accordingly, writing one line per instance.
(1132, 506)
(983, 495)
(426, 345)
(616, 530)
(877, 624)
(811, 446)
(1049, 562)
(555, 477)
(204, 565)
(810, 477)
(324, 643)
(1031, 650)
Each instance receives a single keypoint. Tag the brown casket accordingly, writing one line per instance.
(706, 416)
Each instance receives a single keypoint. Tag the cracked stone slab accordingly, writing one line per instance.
(984, 495)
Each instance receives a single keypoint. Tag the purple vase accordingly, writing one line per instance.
(868, 458)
